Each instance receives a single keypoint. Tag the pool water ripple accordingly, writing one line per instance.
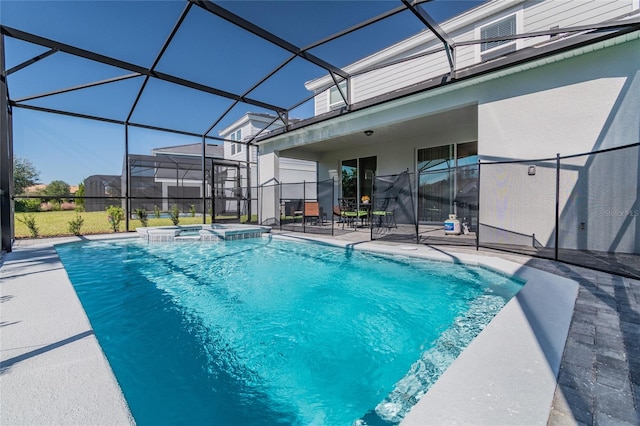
(265, 331)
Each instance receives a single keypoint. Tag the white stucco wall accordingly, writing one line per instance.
(292, 170)
(268, 178)
(586, 103)
(583, 104)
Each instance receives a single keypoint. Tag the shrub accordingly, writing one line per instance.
(76, 224)
(67, 206)
(175, 215)
(28, 205)
(79, 207)
(30, 221)
(45, 207)
(80, 193)
(115, 215)
(142, 216)
(156, 211)
(192, 210)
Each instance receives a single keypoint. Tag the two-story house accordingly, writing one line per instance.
(244, 130)
(507, 80)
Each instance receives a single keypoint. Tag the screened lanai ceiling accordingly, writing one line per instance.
(198, 66)
(194, 66)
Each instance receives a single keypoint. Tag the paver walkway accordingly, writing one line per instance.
(599, 380)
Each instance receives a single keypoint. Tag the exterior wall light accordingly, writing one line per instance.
(368, 132)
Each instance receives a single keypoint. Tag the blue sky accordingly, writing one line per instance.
(206, 49)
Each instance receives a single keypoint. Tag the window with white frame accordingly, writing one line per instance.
(335, 98)
(236, 148)
(233, 145)
(239, 138)
(504, 27)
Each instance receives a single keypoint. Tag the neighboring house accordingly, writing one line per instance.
(172, 175)
(102, 186)
(408, 107)
(244, 130)
(289, 171)
(35, 189)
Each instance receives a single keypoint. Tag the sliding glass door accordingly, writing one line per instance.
(357, 177)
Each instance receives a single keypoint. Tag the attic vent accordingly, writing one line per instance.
(503, 27)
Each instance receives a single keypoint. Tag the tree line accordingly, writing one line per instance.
(54, 195)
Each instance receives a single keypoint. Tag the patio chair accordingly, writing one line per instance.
(383, 210)
(349, 212)
(312, 210)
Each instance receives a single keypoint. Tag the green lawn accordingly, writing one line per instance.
(53, 223)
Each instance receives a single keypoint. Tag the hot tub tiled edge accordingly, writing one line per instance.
(202, 233)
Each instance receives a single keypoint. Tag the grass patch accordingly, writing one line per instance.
(56, 223)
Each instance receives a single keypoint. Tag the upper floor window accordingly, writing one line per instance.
(335, 98)
(233, 145)
(236, 148)
(239, 138)
(503, 27)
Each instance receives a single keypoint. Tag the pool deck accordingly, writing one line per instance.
(53, 371)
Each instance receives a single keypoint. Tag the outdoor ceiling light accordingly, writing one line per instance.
(368, 132)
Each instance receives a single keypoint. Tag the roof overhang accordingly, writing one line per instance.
(246, 118)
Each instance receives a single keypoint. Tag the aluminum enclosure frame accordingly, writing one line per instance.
(6, 224)
(282, 113)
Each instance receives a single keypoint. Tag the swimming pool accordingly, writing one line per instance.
(265, 331)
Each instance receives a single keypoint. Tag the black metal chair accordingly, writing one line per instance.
(349, 212)
(384, 211)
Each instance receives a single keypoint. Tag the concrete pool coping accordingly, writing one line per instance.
(57, 372)
(52, 368)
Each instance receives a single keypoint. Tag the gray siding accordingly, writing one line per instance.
(544, 15)
(532, 16)
(321, 103)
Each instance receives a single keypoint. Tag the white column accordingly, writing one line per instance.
(269, 192)
(165, 194)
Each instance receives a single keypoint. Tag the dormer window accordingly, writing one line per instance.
(504, 27)
(335, 98)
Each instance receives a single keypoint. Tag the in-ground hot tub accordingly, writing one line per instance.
(207, 233)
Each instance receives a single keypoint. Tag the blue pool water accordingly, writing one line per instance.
(265, 331)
